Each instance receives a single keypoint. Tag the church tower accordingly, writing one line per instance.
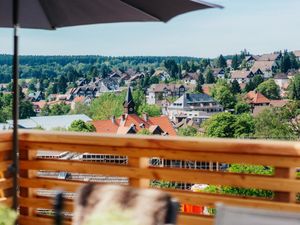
(128, 104)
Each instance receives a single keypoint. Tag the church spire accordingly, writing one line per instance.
(128, 104)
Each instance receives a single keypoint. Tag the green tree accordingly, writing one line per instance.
(220, 125)
(269, 89)
(5, 107)
(153, 80)
(185, 66)
(57, 109)
(221, 62)
(209, 76)
(201, 79)
(151, 110)
(227, 125)
(235, 62)
(198, 88)
(294, 61)
(285, 62)
(62, 84)
(270, 124)
(81, 126)
(81, 108)
(244, 126)
(257, 80)
(172, 68)
(294, 88)
(235, 87)
(46, 111)
(107, 105)
(242, 107)
(222, 93)
(144, 132)
(104, 70)
(32, 85)
(26, 109)
(187, 131)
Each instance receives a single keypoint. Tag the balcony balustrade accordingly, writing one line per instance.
(284, 157)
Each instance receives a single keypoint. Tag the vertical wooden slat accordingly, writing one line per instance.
(138, 163)
(289, 173)
(27, 192)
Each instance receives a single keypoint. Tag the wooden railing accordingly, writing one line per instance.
(283, 156)
(6, 183)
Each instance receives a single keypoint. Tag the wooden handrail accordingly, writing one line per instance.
(282, 155)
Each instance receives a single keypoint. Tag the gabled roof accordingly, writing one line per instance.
(279, 103)
(281, 76)
(269, 57)
(191, 98)
(165, 87)
(239, 74)
(263, 66)
(217, 71)
(24, 123)
(206, 88)
(249, 57)
(192, 76)
(115, 126)
(40, 104)
(297, 53)
(50, 122)
(255, 97)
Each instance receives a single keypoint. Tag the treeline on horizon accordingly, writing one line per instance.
(32, 60)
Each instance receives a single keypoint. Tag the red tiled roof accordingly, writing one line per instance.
(206, 88)
(242, 86)
(279, 103)
(297, 53)
(237, 74)
(40, 104)
(78, 99)
(263, 66)
(107, 126)
(255, 97)
(164, 123)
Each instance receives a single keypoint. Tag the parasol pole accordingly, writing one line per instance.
(15, 70)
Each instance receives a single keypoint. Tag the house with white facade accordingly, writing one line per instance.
(242, 76)
(157, 93)
(190, 78)
(196, 107)
(297, 54)
(219, 73)
(283, 82)
(268, 68)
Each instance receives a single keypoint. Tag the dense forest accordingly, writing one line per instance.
(50, 67)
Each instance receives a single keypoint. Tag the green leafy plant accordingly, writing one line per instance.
(113, 216)
(7, 216)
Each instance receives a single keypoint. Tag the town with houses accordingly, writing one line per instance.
(187, 101)
(236, 96)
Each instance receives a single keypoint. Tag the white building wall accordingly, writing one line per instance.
(151, 98)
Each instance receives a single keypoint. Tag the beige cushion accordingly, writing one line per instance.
(143, 206)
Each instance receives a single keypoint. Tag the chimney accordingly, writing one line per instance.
(146, 117)
(123, 117)
(113, 119)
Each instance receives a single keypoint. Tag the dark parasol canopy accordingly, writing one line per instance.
(52, 14)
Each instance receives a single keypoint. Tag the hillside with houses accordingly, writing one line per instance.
(241, 96)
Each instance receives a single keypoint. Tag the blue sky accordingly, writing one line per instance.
(260, 26)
